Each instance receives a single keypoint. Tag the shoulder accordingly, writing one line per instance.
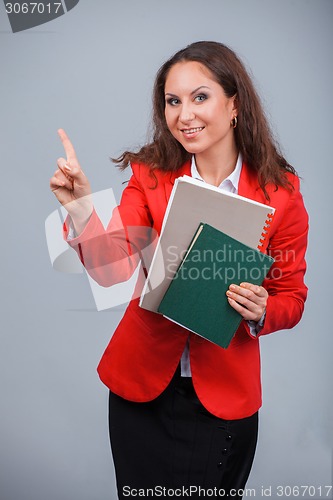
(152, 177)
(284, 195)
(249, 186)
(145, 175)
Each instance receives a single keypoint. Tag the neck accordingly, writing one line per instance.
(214, 168)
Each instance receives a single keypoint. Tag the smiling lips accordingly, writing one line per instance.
(189, 133)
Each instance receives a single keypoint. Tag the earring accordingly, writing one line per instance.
(234, 122)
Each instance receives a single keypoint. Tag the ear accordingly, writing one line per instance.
(235, 105)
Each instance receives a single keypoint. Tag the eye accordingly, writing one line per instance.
(173, 101)
(201, 97)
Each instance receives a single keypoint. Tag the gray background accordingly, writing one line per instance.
(91, 72)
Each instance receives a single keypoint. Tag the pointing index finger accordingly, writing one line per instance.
(68, 146)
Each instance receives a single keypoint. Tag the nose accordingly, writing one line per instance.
(186, 114)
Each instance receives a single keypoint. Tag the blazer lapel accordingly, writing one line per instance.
(249, 186)
(169, 182)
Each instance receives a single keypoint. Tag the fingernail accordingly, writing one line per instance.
(67, 167)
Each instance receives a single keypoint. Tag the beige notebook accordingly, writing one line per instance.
(192, 202)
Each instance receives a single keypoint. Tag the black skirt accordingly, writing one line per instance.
(173, 443)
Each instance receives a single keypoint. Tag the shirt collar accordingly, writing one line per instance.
(230, 183)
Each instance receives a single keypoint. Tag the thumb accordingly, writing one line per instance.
(75, 172)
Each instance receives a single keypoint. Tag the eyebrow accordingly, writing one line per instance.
(193, 91)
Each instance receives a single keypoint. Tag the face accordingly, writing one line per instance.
(197, 112)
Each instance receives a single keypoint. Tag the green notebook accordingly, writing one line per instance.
(196, 297)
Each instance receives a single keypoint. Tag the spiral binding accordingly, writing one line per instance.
(265, 230)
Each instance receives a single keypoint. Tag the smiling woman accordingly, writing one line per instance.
(253, 138)
(183, 412)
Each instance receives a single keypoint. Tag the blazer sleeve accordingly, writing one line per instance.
(111, 255)
(285, 282)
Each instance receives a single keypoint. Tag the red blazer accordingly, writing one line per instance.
(145, 349)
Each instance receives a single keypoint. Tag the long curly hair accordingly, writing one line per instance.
(253, 136)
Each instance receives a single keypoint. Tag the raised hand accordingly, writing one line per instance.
(71, 186)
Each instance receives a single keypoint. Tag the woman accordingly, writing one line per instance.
(183, 412)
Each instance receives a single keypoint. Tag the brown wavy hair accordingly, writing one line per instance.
(253, 136)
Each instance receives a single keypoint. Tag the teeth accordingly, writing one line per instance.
(192, 130)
